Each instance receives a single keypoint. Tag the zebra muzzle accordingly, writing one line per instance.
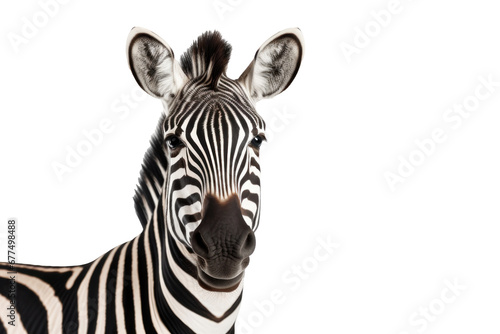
(223, 243)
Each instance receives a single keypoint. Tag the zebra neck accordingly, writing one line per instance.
(149, 190)
(176, 288)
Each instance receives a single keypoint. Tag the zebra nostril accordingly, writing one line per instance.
(245, 263)
(202, 262)
(199, 245)
(248, 245)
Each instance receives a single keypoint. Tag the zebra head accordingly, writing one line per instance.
(212, 134)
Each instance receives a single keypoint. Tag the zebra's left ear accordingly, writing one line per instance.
(152, 63)
(275, 65)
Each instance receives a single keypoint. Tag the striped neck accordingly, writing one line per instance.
(178, 298)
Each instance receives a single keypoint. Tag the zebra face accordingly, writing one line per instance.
(213, 189)
(212, 136)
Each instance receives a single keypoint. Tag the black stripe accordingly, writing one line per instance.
(93, 295)
(186, 219)
(144, 282)
(128, 296)
(111, 282)
(179, 258)
(29, 307)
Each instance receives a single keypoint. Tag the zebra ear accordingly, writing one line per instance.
(152, 63)
(275, 65)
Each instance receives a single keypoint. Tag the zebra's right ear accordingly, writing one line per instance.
(152, 63)
(275, 65)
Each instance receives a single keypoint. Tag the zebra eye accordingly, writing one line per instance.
(174, 142)
(257, 141)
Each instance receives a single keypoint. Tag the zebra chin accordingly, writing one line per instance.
(217, 284)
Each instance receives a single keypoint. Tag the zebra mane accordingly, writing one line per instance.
(208, 56)
(152, 176)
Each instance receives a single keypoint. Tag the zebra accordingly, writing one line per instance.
(198, 200)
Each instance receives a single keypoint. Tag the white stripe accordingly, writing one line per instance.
(219, 171)
(136, 290)
(152, 188)
(46, 269)
(82, 294)
(71, 280)
(190, 209)
(249, 205)
(119, 311)
(103, 289)
(145, 205)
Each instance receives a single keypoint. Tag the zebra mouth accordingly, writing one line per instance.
(217, 284)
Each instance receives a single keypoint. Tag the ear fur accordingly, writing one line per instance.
(275, 65)
(152, 63)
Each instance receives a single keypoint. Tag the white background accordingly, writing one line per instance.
(323, 172)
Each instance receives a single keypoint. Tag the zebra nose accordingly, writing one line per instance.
(223, 235)
(205, 247)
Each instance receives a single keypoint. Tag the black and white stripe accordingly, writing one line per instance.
(203, 158)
